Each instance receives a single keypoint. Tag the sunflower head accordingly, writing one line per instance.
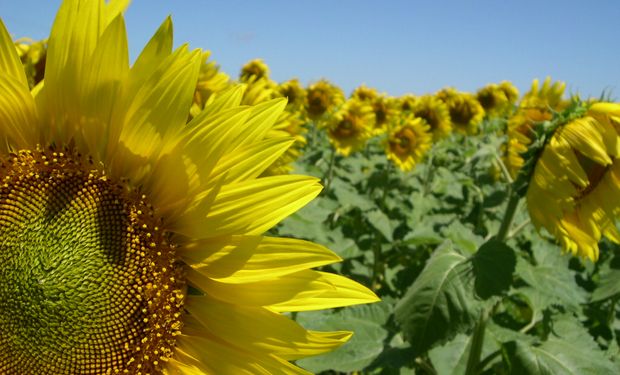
(364, 93)
(574, 191)
(254, 68)
(536, 106)
(385, 109)
(294, 92)
(322, 97)
(407, 102)
(32, 54)
(112, 204)
(497, 99)
(408, 142)
(259, 90)
(436, 115)
(466, 113)
(351, 126)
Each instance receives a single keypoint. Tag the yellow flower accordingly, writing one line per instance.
(407, 102)
(112, 205)
(497, 99)
(351, 126)
(254, 68)
(435, 113)
(322, 97)
(574, 192)
(536, 106)
(32, 54)
(408, 143)
(385, 111)
(210, 81)
(294, 92)
(364, 93)
(465, 111)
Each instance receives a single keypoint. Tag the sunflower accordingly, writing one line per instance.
(435, 113)
(536, 106)
(351, 126)
(112, 206)
(254, 68)
(574, 192)
(408, 142)
(210, 81)
(465, 111)
(385, 111)
(322, 97)
(294, 92)
(407, 102)
(32, 54)
(497, 99)
(364, 93)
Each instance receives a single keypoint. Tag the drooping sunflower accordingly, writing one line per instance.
(254, 68)
(294, 92)
(112, 206)
(466, 113)
(435, 113)
(351, 126)
(537, 105)
(574, 192)
(322, 97)
(408, 142)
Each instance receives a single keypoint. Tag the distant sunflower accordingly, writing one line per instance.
(435, 113)
(407, 102)
(210, 81)
(351, 126)
(112, 205)
(466, 113)
(294, 92)
(32, 55)
(364, 93)
(497, 100)
(408, 142)
(575, 190)
(385, 111)
(510, 91)
(254, 68)
(322, 97)
(536, 106)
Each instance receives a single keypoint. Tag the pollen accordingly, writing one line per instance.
(85, 283)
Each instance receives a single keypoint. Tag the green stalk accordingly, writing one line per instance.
(477, 340)
(330, 170)
(509, 214)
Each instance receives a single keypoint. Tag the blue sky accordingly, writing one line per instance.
(395, 46)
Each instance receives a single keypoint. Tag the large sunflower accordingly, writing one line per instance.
(111, 206)
(575, 190)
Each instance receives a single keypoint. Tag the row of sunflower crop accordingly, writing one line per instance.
(464, 162)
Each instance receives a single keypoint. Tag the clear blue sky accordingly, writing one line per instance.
(396, 46)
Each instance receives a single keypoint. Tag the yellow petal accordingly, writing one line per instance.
(582, 134)
(243, 259)
(18, 117)
(300, 291)
(10, 65)
(261, 330)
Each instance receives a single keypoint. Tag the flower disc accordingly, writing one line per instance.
(88, 282)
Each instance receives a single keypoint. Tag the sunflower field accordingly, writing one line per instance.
(172, 219)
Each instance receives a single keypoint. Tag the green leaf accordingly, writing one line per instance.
(609, 281)
(494, 264)
(568, 350)
(463, 237)
(348, 196)
(364, 347)
(440, 303)
(381, 222)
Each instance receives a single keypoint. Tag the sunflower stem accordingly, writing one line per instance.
(428, 176)
(509, 214)
(475, 350)
(330, 170)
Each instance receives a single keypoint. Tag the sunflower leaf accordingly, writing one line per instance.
(440, 303)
